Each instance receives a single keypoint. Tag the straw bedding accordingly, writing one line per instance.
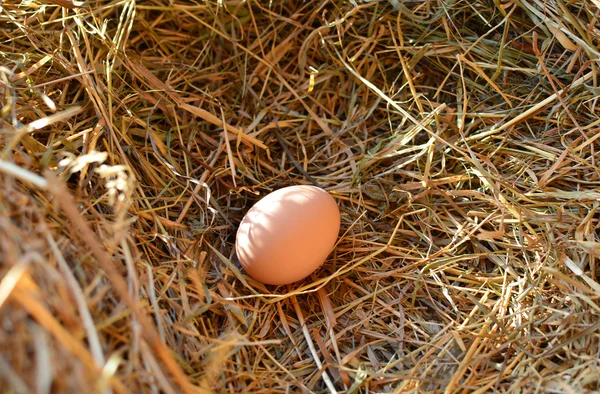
(458, 137)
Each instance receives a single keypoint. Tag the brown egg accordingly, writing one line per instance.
(288, 234)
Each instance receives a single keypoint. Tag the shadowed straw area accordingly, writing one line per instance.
(458, 137)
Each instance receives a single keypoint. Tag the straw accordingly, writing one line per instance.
(459, 139)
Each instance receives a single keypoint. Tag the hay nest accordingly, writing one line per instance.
(459, 138)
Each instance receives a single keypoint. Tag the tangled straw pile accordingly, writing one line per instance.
(459, 138)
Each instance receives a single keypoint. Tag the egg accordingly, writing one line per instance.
(288, 234)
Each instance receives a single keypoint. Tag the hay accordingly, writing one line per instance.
(459, 138)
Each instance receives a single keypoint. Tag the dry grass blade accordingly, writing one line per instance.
(460, 139)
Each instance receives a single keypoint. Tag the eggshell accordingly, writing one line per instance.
(288, 234)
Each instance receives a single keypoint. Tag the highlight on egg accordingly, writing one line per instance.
(288, 234)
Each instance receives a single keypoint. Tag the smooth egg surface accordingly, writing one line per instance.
(288, 234)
